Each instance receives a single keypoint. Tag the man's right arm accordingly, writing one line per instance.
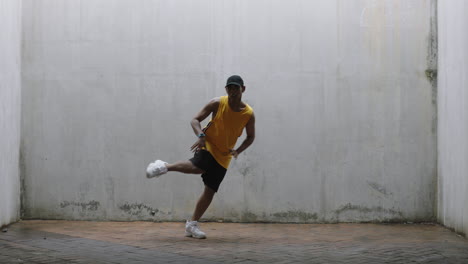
(209, 108)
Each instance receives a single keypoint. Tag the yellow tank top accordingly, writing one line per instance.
(224, 129)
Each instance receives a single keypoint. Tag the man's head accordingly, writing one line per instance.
(235, 86)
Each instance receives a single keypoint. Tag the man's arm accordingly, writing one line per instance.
(250, 130)
(209, 108)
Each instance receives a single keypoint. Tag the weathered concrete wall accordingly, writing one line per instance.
(10, 109)
(346, 127)
(453, 115)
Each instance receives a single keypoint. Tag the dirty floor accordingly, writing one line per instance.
(149, 242)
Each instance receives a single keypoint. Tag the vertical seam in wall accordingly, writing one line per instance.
(21, 157)
(20, 62)
(433, 66)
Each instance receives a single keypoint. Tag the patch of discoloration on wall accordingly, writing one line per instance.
(22, 172)
(379, 188)
(431, 71)
(89, 206)
(138, 209)
(248, 216)
(431, 75)
(232, 213)
(245, 171)
(245, 166)
(296, 216)
(374, 213)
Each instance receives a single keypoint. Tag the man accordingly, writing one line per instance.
(214, 148)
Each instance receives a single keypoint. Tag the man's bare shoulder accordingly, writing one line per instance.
(216, 100)
(214, 103)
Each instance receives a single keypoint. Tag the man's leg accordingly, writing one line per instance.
(160, 167)
(203, 202)
(191, 227)
(184, 167)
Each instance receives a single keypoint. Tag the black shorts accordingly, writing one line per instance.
(214, 173)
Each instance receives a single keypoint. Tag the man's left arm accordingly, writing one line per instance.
(250, 130)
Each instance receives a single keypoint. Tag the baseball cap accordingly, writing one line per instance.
(236, 80)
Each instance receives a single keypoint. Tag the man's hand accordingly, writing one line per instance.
(199, 144)
(250, 129)
(234, 153)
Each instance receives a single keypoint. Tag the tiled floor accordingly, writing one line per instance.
(148, 242)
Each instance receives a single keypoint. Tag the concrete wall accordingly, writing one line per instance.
(453, 115)
(346, 127)
(10, 109)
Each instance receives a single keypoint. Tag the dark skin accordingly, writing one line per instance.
(234, 93)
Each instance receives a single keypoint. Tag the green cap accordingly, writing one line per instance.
(236, 80)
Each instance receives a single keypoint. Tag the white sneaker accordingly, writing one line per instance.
(192, 230)
(156, 169)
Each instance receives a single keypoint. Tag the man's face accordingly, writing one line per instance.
(234, 91)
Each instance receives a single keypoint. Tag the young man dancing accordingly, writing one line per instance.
(214, 148)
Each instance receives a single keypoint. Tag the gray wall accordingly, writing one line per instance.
(346, 127)
(10, 109)
(453, 115)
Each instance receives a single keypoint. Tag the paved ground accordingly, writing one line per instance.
(148, 242)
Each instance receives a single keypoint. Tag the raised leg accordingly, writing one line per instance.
(184, 167)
